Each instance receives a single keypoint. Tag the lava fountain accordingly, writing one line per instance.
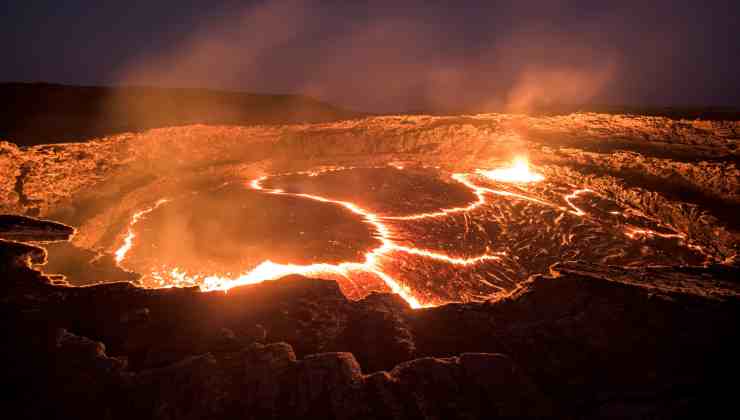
(518, 172)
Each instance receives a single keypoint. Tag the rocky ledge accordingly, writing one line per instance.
(586, 341)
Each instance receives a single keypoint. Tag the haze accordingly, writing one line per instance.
(389, 56)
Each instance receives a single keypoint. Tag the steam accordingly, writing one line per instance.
(222, 52)
(391, 63)
(541, 87)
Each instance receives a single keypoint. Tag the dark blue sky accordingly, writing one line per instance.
(389, 55)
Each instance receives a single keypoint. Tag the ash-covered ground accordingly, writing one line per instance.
(609, 288)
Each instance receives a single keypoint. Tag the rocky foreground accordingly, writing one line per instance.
(582, 342)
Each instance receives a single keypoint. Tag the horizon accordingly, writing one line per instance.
(549, 108)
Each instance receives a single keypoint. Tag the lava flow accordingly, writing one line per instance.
(382, 226)
(269, 270)
(128, 240)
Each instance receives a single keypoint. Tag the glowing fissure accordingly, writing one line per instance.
(461, 178)
(268, 270)
(633, 233)
(128, 240)
(383, 233)
(480, 193)
(577, 211)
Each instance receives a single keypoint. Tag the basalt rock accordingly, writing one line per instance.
(23, 228)
(82, 266)
(270, 382)
(18, 255)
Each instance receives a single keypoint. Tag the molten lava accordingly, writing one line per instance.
(128, 240)
(518, 172)
(391, 248)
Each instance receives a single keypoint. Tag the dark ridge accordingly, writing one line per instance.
(22, 228)
(40, 113)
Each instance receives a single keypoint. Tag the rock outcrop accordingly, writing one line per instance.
(20, 228)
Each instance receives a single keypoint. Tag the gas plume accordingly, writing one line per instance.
(391, 63)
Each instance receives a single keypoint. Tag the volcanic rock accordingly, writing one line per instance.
(22, 228)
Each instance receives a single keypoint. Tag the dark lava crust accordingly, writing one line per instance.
(586, 341)
(385, 191)
(233, 229)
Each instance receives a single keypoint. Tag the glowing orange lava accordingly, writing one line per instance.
(633, 233)
(268, 270)
(574, 194)
(128, 240)
(518, 172)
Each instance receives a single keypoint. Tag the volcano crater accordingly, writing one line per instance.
(587, 293)
(393, 229)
